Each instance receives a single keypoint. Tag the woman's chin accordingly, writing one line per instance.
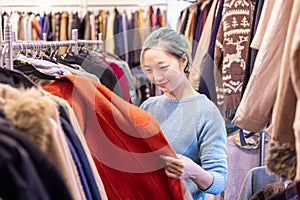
(164, 89)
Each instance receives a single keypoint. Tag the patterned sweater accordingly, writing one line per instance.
(231, 51)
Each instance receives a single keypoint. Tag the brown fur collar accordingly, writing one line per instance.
(29, 111)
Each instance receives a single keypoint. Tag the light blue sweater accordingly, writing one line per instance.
(195, 128)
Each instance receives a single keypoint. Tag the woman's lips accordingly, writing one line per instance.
(162, 84)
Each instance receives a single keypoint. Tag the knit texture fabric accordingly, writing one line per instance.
(231, 50)
(195, 128)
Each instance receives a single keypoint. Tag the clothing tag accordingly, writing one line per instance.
(63, 56)
(23, 61)
(248, 140)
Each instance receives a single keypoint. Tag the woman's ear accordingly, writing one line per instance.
(184, 61)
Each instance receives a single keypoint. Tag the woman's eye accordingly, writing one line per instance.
(147, 70)
(164, 66)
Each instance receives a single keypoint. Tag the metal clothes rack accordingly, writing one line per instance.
(10, 45)
(262, 148)
(128, 5)
(262, 140)
(84, 5)
(92, 5)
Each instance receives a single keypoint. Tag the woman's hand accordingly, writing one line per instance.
(180, 167)
(183, 167)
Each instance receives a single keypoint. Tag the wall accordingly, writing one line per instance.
(174, 9)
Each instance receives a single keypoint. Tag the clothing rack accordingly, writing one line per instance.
(190, 1)
(10, 45)
(128, 5)
(262, 139)
(92, 5)
(84, 5)
(262, 148)
(37, 6)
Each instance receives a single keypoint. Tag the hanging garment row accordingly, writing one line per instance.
(122, 32)
(262, 60)
(77, 155)
(97, 64)
(275, 67)
(75, 130)
(114, 25)
(274, 64)
(219, 31)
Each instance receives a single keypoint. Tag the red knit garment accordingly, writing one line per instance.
(125, 141)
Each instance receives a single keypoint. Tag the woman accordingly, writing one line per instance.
(190, 121)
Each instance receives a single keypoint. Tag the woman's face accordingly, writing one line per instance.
(164, 70)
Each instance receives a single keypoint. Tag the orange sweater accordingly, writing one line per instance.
(124, 140)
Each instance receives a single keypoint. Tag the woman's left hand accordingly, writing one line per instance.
(180, 167)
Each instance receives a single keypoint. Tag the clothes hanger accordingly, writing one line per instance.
(27, 68)
(190, 1)
(2, 58)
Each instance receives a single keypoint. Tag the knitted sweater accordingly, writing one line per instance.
(194, 128)
(124, 140)
(231, 50)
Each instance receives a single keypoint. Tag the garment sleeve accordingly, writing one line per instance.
(255, 108)
(212, 151)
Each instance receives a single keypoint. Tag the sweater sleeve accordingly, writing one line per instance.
(212, 154)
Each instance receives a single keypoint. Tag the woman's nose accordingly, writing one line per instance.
(157, 76)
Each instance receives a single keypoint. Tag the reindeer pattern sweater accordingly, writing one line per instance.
(231, 50)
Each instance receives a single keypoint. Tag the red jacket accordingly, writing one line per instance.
(124, 140)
